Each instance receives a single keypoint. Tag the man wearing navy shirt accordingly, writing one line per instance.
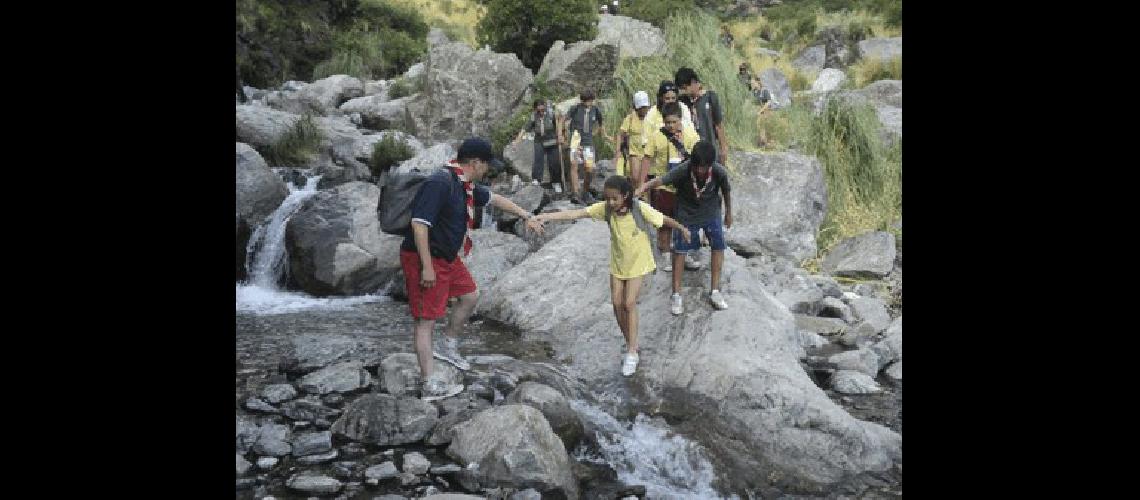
(432, 256)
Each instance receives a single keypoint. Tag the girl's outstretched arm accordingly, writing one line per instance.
(669, 221)
(563, 215)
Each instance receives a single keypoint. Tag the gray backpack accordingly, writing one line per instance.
(394, 208)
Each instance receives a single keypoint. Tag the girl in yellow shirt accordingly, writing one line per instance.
(631, 257)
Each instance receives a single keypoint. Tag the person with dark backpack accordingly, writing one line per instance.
(631, 257)
(546, 127)
(441, 218)
(701, 184)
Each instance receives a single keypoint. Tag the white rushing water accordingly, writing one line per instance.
(267, 262)
(648, 453)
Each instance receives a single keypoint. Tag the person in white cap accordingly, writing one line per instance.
(633, 138)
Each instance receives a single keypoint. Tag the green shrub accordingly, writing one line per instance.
(657, 12)
(388, 152)
(527, 28)
(403, 87)
(296, 147)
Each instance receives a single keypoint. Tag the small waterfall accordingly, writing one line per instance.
(648, 453)
(267, 261)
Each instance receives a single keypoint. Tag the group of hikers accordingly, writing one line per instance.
(674, 154)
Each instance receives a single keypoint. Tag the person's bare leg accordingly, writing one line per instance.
(460, 312)
(717, 263)
(573, 177)
(617, 294)
(632, 287)
(423, 329)
(678, 268)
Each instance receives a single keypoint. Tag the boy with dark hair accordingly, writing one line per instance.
(708, 117)
(584, 119)
(700, 183)
(547, 142)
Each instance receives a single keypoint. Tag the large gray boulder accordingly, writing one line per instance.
(341, 377)
(513, 445)
(528, 198)
(810, 60)
(868, 255)
(738, 369)
(379, 113)
(335, 243)
(633, 37)
(385, 420)
(774, 80)
(521, 156)
(466, 92)
(828, 80)
(310, 351)
(258, 192)
(884, 92)
(326, 94)
(427, 159)
(789, 284)
(890, 118)
(778, 202)
(554, 406)
(571, 68)
(873, 311)
(881, 48)
(261, 127)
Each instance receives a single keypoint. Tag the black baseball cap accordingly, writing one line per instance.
(477, 147)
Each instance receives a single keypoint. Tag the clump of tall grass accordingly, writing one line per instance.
(297, 146)
(388, 152)
(864, 178)
(873, 69)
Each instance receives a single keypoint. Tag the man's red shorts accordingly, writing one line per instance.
(451, 280)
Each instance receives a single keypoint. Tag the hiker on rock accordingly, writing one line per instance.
(633, 136)
(584, 119)
(547, 142)
(431, 256)
(700, 183)
(631, 257)
(665, 149)
(708, 118)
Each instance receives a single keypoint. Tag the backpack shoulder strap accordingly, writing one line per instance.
(676, 143)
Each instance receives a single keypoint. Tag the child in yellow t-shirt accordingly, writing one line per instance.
(633, 136)
(630, 255)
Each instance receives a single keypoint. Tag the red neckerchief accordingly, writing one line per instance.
(693, 176)
(469, 187)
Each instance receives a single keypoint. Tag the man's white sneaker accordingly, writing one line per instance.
(717, 300)
(447, 349)
(629, 364)
(435, 389)
(557, 187)
(691, 263)
(678, 306)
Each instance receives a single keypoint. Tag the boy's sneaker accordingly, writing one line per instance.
(435, 389)
(557, 187)
(447, 349)
(587, 198)
(717, 300)
(678, 306)
(535, 182)
(629, 364)
(691, 263)
(574, 199)
(668, 267)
